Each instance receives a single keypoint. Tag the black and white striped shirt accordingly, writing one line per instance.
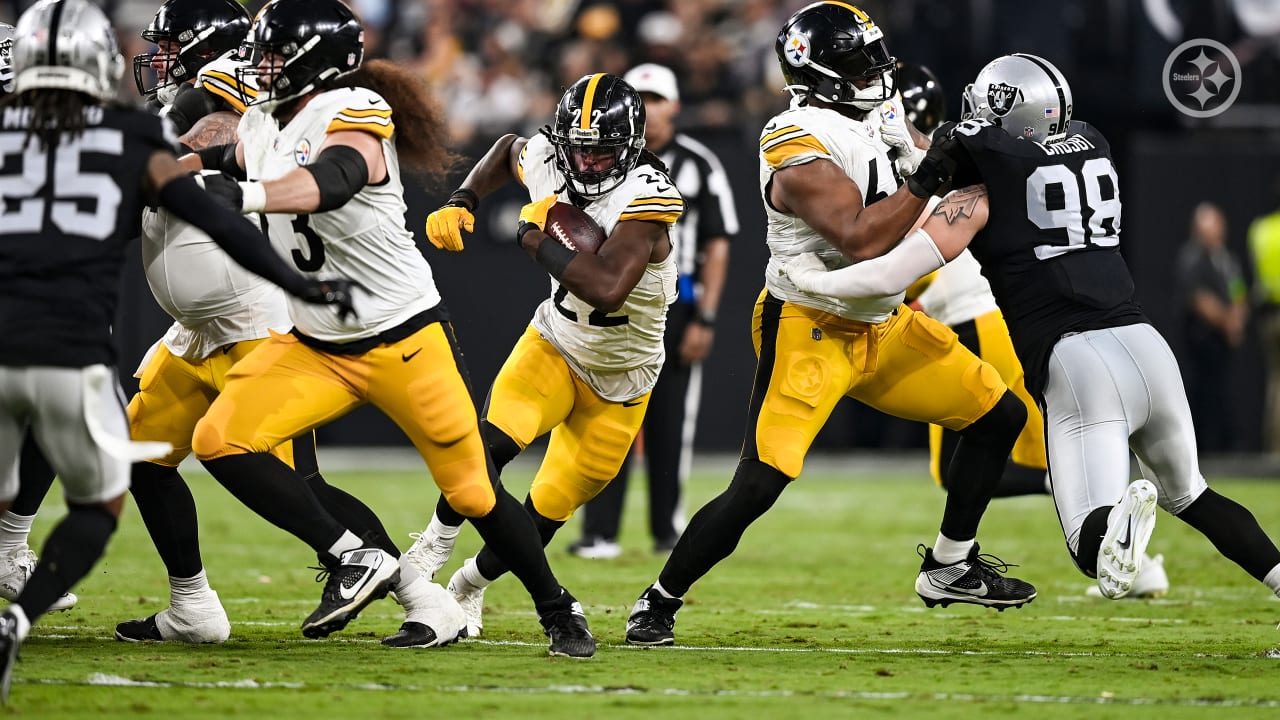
(709, 210)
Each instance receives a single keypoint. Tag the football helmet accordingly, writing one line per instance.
(194, 33)
(922, 96)
(6, 58)
(1023, 94)
(66, 45)
(598, 133)
(833, 51)
(311, 43)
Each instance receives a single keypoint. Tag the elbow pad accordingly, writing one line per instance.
(340, 173)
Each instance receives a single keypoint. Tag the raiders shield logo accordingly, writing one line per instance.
(1000, 98)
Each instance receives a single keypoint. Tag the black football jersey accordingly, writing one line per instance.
(1051, 246)
(69, 212)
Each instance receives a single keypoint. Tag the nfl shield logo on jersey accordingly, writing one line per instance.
(1000, 98)
(302, 153)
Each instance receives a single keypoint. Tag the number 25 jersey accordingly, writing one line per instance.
(619, 354)
(1051, 246)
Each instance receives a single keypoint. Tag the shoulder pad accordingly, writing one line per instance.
(358, 109)
(789, 140)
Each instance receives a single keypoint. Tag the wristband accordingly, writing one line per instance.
(255, 197)
(705, 318)
(465, 197)
(525, 227)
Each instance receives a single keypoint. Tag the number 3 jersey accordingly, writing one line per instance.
(619, 354)
(365, 240)
(214, 301)
(1051, 245)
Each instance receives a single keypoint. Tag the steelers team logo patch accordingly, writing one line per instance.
(796, 48)
(302, 153)
(1201, 78)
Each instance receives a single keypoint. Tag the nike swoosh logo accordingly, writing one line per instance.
(978, 591)
(1127, 540)
(409, 357)
(633, 403)
(350, 592)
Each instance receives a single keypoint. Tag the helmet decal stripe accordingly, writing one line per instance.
(1057, 85)
(862, 17)
(588, 98)
(54, 21)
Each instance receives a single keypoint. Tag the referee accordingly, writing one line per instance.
(701, 238)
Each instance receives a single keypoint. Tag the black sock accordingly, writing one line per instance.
(511, 535)
(353, 514)
(73, 547)
(1234, 531)
(169, 511)
(1021, 480)
(1091, 532)
(979, 460)
(488, 562)
(714, 531)
(35, 477)
(273, 490)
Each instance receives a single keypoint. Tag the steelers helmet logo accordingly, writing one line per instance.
(797, 48)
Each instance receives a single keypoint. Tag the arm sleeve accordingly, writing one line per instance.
(192, 104)
(237, 236)
(889, 274)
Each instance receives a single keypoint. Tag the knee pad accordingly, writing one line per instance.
(473, 501)
(551, 502)
(1001, 424)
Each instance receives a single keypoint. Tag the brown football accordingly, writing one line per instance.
(573, 228)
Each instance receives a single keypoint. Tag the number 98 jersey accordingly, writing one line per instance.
(1051, 245)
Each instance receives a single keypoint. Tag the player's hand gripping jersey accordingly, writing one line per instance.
(805, 134)
(365, 239)
(213, 300)
(619, 354)
(1051, 245)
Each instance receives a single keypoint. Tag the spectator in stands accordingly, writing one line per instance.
(1264, 249)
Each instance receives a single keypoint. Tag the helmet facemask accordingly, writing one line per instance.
(188, 35)
(836, 54)
(300, 46)
(595, 154)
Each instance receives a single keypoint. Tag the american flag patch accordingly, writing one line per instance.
(1051, 112)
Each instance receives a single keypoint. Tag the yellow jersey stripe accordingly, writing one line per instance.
(584, 122)
(368, 112)
(779, 133)
(662, 216)
(656, 201)
(229, 93)
(373, 128)
(781, 152)
(230, 82)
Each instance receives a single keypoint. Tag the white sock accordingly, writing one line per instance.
(24, 625)
(439, 529)
(947, 551)
(14, 530)
(413, 597)
(194, 590)
(348, 541)
(663, 591)
(408, 574)
(471, 573)
(1272, 580)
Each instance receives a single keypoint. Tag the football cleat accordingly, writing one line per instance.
(653, 619)
(429, 552)
(470, 597)
(194, 624)
(1152, 581)
(362, 576)
(567, 628)
(9, 643)
(433, 617)
(595, 548)
(1124, 546)
(15, 571)
(420, 635)
(977, 580)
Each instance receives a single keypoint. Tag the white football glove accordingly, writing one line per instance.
(804, 270)
(895, 131)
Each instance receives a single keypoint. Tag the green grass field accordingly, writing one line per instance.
(814, 616)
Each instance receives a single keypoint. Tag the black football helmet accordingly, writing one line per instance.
(598, 133)
(314, 43)
(6, 58)
(922, 97)
(828, 49)
(198, 31)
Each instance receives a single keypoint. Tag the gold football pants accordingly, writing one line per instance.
(909, 366)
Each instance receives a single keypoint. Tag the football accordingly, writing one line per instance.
(573, 228)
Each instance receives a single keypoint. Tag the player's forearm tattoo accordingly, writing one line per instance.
(960, 204)
(212, 130)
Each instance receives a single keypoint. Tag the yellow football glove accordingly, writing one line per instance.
(536, 212)
(444, 226)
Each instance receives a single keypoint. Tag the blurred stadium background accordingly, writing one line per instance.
(499, 66)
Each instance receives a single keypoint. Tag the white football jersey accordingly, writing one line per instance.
(365, 240)
(957, 292)
(213, 300)
(804, 134)
(618, 354)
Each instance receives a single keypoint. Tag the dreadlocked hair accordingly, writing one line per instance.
(52, 113)
(648, 158)
(421, 131)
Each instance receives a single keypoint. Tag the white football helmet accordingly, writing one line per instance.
(1023, 94)
(66, 45)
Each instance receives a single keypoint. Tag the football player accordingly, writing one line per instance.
(220, 315)
(335, 200)
(829, 185)
(586, 365)
(61, 252)
(1045, 227)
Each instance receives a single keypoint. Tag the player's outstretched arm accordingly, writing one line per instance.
(179, 193)
(498, 167)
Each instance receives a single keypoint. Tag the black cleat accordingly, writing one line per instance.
(419, 635)
(567, 628)
(653, 619)
(9, 644)
(362, 576)
(140, 630)
(977, 580)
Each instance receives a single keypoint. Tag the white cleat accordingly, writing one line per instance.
(470, 597)
(433, 618)
(15, 571)
(1129, 527)
(1152, 582)
(195, 624)
(429, 552)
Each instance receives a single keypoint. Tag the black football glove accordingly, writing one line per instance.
(936, 169)
(332, 292)
(226, 189)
